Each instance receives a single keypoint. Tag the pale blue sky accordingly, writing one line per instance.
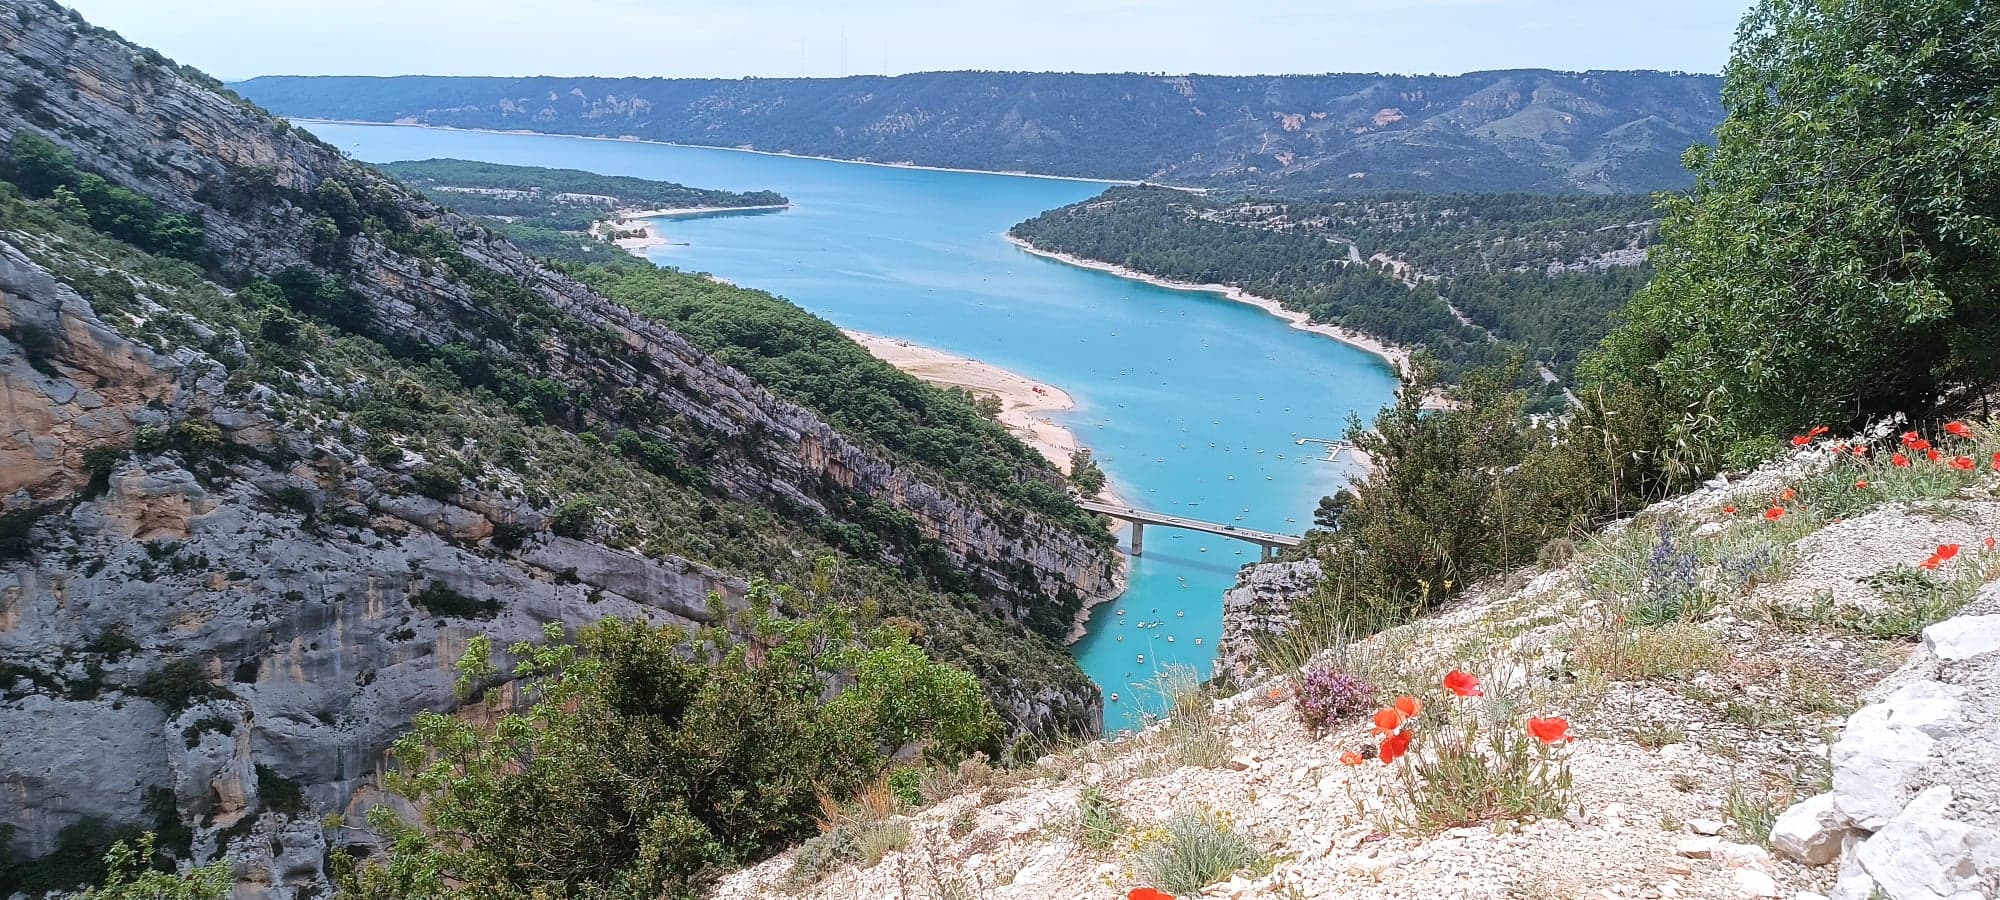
(732, 38)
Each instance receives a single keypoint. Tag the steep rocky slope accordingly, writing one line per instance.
(1534, 130)
(1713, 753)
(252, 508)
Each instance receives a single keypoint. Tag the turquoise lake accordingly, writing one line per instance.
(1191, 402)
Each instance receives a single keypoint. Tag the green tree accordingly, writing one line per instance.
(38, 165)
(1839, 257)
(1085, 473)
(129, 876)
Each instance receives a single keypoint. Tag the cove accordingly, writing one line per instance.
(1191, 402)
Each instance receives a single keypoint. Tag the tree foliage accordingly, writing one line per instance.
(1839, 257)
(645, 759)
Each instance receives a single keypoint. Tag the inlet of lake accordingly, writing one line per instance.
(1192, 403)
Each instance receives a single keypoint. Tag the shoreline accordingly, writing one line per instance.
(640, 140)
(1025, 404)
(641, 220)
(1396, 357)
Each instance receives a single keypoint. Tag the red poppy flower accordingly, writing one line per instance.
(1963, 462)
(1774, 513)
(1910, 439)
(1146, 893)
(1932, 454)
(1989, 543)
(1943, 555)
(1548, 731)
(1958, 429)
(1861, 450)
(1996, 462)
(1787, 494)
(1395, 746)
(1838, 446)
(1800, 440)
(1462, 684)
(1729, 510)
(1387, 720)
(1900, 461)
(1922, 445)
(1818, 430)
(1350, 758)
(1409, 706)
(1862, 484)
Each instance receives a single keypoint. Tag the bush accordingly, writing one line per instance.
(576, 518)
(441, 599)
(1326, 695)
(179, 685)
(1194, 848)
(278, 793)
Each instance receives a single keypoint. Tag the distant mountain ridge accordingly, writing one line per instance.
(1515, 130)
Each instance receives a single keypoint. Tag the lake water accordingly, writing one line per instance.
(1191, 402)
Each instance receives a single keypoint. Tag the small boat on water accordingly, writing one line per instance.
(1170, 639)
(1114, 696)
(1142, 657)
(1197, 642)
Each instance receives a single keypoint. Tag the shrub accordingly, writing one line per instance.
(441, 599)
(278, 793)
(1327, 694)
(179, 685)
(575, 518)
(1193, 848)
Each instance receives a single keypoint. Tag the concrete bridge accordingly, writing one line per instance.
(1268, 541)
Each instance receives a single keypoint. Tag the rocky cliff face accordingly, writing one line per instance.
(226, 632)
(1259, 607)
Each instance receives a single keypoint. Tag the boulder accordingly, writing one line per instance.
(1963, 637)
(1924, 854)
(1811, 831)
(1885, 745)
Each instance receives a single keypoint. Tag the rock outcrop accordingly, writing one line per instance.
(1914, 813)
(1259, 607)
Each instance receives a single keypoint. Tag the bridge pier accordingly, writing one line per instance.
(1138, 538)
(1265, 553)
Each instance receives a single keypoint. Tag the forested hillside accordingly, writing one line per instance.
(1469, 278)
(1522, 130)
(286, 442)
(556, 212)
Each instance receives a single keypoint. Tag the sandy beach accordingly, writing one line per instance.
(1396, 357)
(641, 220)
(1024, 402)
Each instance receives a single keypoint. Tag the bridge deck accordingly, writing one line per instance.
(1267, 538)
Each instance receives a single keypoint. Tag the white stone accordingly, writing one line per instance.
(1963, 637)
(1743, 856)
(1753, 883)
(1810, 831)
(1808, 895)
(1698, 847)
(1922, 854)
(1885, 744)
(1705, 826)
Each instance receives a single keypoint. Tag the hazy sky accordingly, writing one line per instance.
(731, 38)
